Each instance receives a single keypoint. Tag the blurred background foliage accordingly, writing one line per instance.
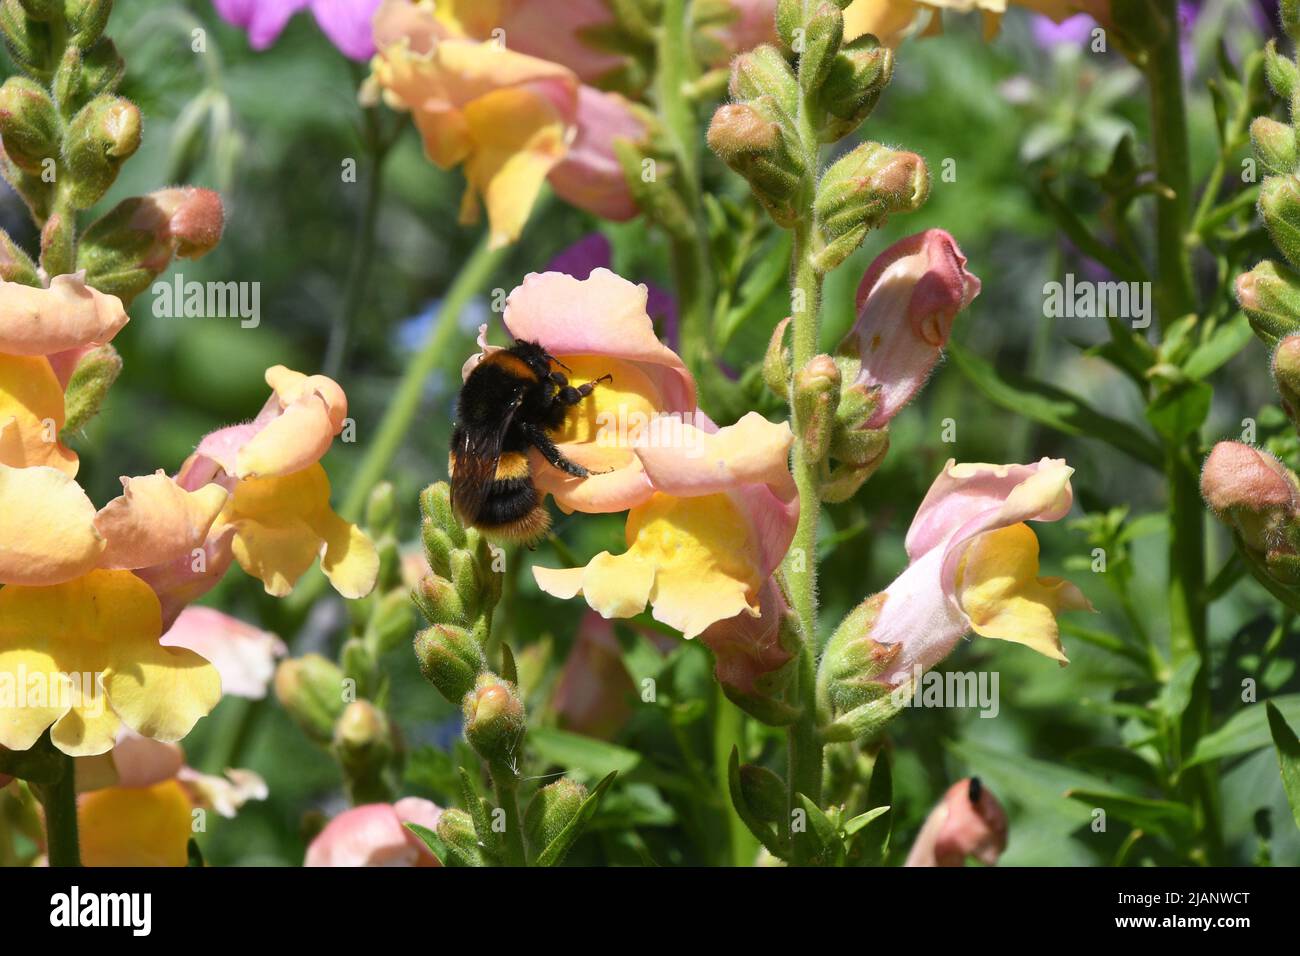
(273, 133)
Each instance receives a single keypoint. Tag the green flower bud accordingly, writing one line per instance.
(438, 600)
(358, 663)
(1286, 373)
(16, 265)
(85, 74)
(776, 363)
(456, 829)
(764, 70)
(859, 193)
(29, 124)
(748, 137)
(102, 136)
(390, 622)
(494, 721)
(87, 19)
(846, 475)
(466, 581)
(1269, 294)
(435, 503)
(1281, 72)
(94, 375)
(852, 660)
(789, 19)
(764, 793)
(450, 659)
(1279, 205)
(126, 248)
(821, 41)
(438, 546)
(311, 689)
(1274, 143)
(552, 809)
(27, 39)
(816, 396)
(58, 243)
(43, 10)
(857, 77)
(364, 745)
(381, 509)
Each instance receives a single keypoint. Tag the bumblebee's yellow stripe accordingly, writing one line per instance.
(512, 465)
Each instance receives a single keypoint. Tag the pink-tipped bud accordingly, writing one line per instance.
(188, 217)
(968, 823)
(907, 302)
(1286, 373)
(1250, 490)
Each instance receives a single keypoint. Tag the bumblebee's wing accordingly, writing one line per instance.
(475, 453)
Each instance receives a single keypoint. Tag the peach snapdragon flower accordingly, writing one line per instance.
(375, 835)
(890, 21)
(711, 511)
(968, 822)
(511, 120)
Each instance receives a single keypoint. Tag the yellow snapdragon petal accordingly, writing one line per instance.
(999, 589)
(47, 531)
(142, 826)
(691, 558)
(155, 520)
(32, 415)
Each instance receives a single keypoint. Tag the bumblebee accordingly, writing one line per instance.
(513, 400)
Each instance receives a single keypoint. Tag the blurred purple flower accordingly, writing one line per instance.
(1073, 31)
(345, 22)
(594, 252)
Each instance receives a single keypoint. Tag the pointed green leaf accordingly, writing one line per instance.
(431, 841)
(764, 833)
(1288, 757)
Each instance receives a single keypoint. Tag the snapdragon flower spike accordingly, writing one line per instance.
(906, 301)
(967, 823)
(973, 567)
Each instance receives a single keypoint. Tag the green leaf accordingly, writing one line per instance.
(763, 832)
(1244, 732)
(509, 670)
(477, 808)
(1181, 410)
(1288, 757)
(1032, 783)
(556, 850)
(823, 828)
(576, 752)
(1163, 817)
(1054, 407)
(1225, 342)
(873, 842)
(431, 840)
(862, 819)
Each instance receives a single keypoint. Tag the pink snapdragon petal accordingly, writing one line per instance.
(374, 835)
(590, 175)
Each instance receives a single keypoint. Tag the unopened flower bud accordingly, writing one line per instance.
(43, 10)
(816, 396)
(86, 20)
(764, 793)
(859, 193)
(1281, 72)
(125, 249)
(84, 74)
(1279, 206)
(749, 138)
(311, 690)
(846, 676)
(776, 362)
(821, 41)
(1274, 143)
(967, 823)
(1250, 491)
(438, 601)
(93, 376)
(29, 124)
(15, 264)
(450, 659)
(456, 829)
(789, 20)
(551, 810)
(435, 503)
(1286, 373)
(390, 620)
(764, 70)
(494, 721)
(101, 137)
(363, 745)
(381, 509)
(857, 77)
(1269, 294)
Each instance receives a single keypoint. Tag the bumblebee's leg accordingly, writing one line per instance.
(566, 394)
(542, 442)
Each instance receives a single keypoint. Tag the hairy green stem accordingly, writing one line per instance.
(804, 745)
(506, 786)
(60, 801)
